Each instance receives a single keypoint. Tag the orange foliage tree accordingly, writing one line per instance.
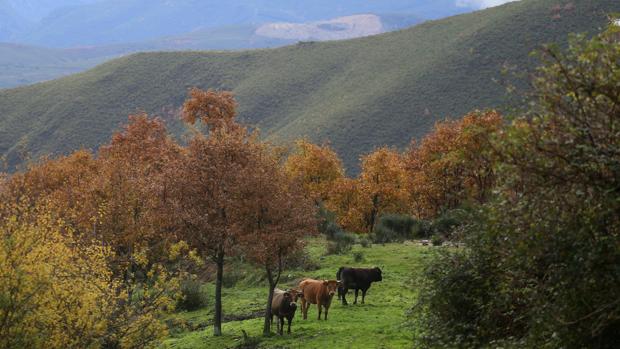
(210, 182)
(346, 201)
(380, 188)
(112, 201)
(452, 164)
(382, 184)
(316, 167)
(131, 190)
(276, 216)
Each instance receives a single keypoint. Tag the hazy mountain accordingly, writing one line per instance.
(358, 93)
(24, 64)
(123, 21)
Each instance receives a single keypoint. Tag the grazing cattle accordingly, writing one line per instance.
(283, 306)
(357, 279)
(319, 292)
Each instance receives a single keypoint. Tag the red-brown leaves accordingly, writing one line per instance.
(214, 108)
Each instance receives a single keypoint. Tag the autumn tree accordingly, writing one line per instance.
(382, 185)
(347, 202)
(112, 201)
(316, 167)
(54, 292)
(276, 216)
(210, 181)
(130, 196)
(132, 189)
(452, 164)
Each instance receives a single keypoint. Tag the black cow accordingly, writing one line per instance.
(357, 279)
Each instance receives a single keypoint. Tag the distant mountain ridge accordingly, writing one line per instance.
(70, 23)
(356, 94)
(23, 64)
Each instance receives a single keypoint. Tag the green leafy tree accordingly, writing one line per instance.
(543, 259)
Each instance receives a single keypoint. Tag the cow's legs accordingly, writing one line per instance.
(356, 292)
(281, 329)
(326, 310)
(318, 305)
(364, 294)
(289, 323)
(304, 309)
(344, 293)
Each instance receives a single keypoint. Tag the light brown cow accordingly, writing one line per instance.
(319, 292)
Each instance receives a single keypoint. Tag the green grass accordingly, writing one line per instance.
(380, 323)
(357, 94)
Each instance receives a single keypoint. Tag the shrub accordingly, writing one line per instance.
(232, 275)
(193, 295)
(540, 270)
(444, 224)
(301, 260)
(327, 223)
(365, 242)
(342, 243)
(393, 228)
(358, 256)
(455, 289)
(421, 230)
(437, 240)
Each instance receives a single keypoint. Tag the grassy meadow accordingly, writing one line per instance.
(380, 323)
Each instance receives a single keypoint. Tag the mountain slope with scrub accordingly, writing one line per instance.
(356, 94)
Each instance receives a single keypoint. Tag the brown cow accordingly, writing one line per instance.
(283, 306)
(319, 292)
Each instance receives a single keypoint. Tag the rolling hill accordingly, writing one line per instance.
(106, 22)
(24, 64)
(357, 93)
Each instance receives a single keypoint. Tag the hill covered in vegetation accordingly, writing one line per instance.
(357, 94)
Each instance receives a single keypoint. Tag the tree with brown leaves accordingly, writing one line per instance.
(316, 167)
(276, 216)
(453, 164)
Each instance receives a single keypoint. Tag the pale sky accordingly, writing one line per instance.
(481, 3)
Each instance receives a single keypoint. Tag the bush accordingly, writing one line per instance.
(301, 259)
(342, 243)
(365, 242)
(455, 290)
(422, 230)
(393, 228)
(541, 267)
(327, 223)
(437, 240)
(193, 295)
(233, 274)
(358, 256)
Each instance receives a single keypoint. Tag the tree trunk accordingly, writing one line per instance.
(272, 286)
(267, 325)
(217, 321)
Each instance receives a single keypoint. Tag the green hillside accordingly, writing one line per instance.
(357, 93)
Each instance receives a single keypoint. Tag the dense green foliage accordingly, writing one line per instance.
(358, 93)
(394, 228)
(541, 268)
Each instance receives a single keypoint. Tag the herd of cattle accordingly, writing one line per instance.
(321, 292)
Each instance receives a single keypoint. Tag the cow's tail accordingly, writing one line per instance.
(340, 288)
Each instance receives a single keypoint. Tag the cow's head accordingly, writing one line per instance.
(378, 274)
(296, 294)
(332, 286)
(289, 298)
